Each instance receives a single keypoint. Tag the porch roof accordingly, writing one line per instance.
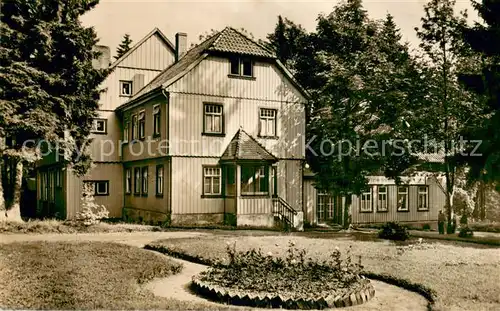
(244, 147)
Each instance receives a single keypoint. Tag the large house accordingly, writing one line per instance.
(213, 134)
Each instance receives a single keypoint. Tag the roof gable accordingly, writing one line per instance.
(155, 31)
(232, 41)
(244, 147)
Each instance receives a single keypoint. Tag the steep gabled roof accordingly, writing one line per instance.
(244, 147)
(228, 40)
(231, 40)
(138, 44)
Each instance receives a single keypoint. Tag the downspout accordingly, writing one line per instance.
(167, 125)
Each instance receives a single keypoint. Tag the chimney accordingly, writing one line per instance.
(180, 45)
(103, 61)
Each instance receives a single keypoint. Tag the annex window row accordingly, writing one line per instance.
(136, 180)
(378, 195)
(134, 127)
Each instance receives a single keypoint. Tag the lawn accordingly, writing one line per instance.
(464, 277)
(83, 275)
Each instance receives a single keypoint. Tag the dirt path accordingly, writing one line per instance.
(387, 297)
(138, 239)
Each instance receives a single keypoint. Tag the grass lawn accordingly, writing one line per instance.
(58, 226)
(463, 277)
(83, 275)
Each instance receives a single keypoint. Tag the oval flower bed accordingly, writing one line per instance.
(295, 282)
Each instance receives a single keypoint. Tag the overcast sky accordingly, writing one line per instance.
(113, 18)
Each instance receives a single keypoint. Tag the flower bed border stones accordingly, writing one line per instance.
(263, 300)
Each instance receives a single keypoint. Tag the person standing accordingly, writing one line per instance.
(441, 220)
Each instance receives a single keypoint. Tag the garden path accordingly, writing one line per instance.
(387, 297)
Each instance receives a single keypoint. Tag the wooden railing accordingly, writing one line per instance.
(283, 210)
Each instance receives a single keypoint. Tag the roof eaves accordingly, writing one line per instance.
(289, 75)
(144, 97)
(257, 43)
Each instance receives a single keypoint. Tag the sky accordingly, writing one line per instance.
(113, 18)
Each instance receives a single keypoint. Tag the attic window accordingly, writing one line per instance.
(241, 67)
(126, 88)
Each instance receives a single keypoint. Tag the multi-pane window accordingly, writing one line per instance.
(366, 202)
(137, 180)
(403, 199)
(51, 186)
(128, 181)
(98, 188)
(142, 125)
(423, 198)
(126, 88)
(267, 122)
(125, 130)
(156, 120)
(254, 180)
(241, 66)
(382, 203)
(159, 180)
(213, 118)
(58, 178)
(320, 208)
(134, 127)
(144, 186)
(99, 126)
(211, 181)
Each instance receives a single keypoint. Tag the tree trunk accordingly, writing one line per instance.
(347, 207)
(14, 212)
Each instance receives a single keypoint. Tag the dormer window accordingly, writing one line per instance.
(241, 67)
(125, 88)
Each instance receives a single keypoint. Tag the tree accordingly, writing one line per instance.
(484, 39)
(50, 89)
(360, 81)
(287, 41)
(124, 46)
(450, 106)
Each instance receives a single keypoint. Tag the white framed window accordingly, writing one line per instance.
(241, 67)
(213, 119)
(211, 180)
(267, 125)
(100, 126)
(134, 127)
(254, 180)
(128, 181)
(59, 178)
(125, 88)
(382, 202)
(125, 130)
(403, 199)
(98, 187)
(159, 180)
(423, 198)
(365, 203)
(142, 125)
(156, 120)
(321, 206)
(144, 187)
(137, 181)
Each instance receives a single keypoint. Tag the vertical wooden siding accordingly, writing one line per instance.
(73, 188)
(139, 149)
(253, 206)
(436, 202)
(210, 77)
(150, 202)
(154, 53)
(186, 125)
(187, 187)
(112, 172)
(309, 201)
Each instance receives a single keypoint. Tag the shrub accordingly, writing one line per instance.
(426, 227)
(465, 232)
(393, 231)
(91, 212)
(254, 271)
